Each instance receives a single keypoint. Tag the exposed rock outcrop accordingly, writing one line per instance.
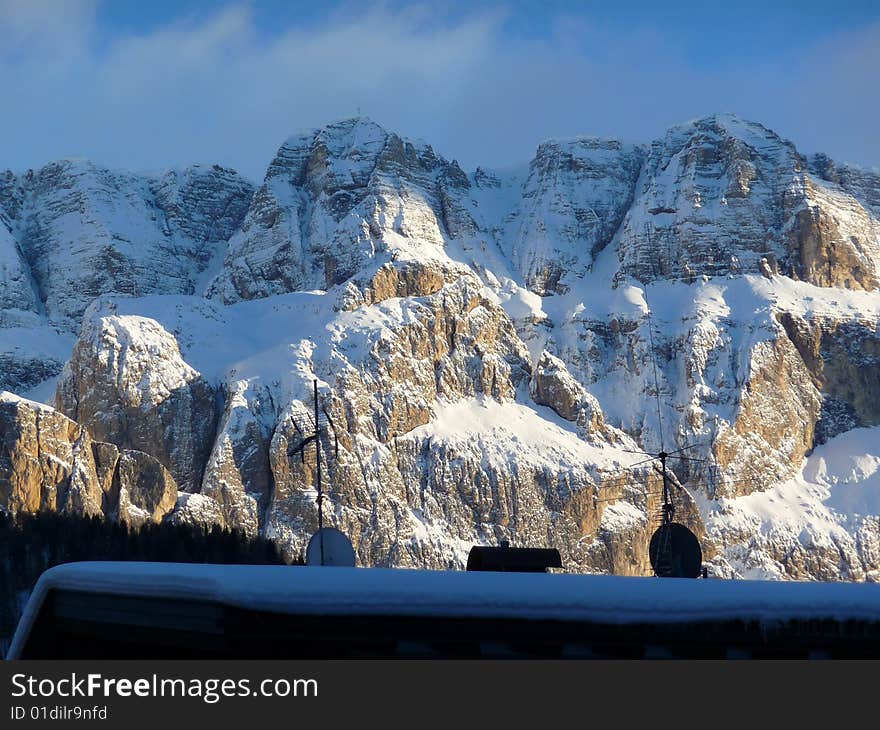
(238, 474)
(843, 360)
(552, 385)
(450, 345)
(774, 425)
(48, 462)
(834, 240)
(128, 384)
(146, 490)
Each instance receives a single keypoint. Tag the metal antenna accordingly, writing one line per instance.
(318, 462)
(656, 379)
(674, 550)
(301, 447)
(668, 508)
(666, 555)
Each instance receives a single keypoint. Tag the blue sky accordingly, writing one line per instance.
(147, 85)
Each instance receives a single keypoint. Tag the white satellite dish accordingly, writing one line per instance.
(337, 549)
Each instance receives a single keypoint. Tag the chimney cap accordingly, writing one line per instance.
(514, 560)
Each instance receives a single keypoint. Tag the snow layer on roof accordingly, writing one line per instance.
(396, 592)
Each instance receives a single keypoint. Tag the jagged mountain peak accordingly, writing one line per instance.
(353, 131)
(714, 195)
(584, 142)
(724, 139)
(356, 137)
(85, 167)
(73, 164)
(727, 124)
(336, 200)
(194, 170)
(721, 195)
(351, 139)
(351, 128)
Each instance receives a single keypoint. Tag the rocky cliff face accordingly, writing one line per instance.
(17, 298)
(86, 230)
(49, 462)
(72, 231)
(333, 200)
(573, 201)
(492, 348)
(127, 383)
(27, 356)
(722, 196)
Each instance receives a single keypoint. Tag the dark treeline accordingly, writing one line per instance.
(30, 544)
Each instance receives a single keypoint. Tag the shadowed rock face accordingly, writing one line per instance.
(843, 361)
(147, 491)
(106, 460)
(861, 183)
(573, 201)
(72, 231)
(17, 295)
(238, 476)
(23, 372)
(87, 231)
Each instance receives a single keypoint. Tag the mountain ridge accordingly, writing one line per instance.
(482, 339)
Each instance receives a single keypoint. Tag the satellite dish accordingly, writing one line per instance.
(675, 552)
(337, 549)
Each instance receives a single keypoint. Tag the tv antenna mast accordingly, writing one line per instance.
(316, 426)
(674, 550)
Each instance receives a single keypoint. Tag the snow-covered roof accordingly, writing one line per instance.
(397, 592)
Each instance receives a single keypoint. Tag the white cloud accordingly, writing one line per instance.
(219, 90)
(44, 26)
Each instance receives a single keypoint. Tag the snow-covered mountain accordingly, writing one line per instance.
(72, 231)
(484, 342)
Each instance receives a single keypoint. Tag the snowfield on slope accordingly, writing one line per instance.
(534, 433)
(836, 492)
